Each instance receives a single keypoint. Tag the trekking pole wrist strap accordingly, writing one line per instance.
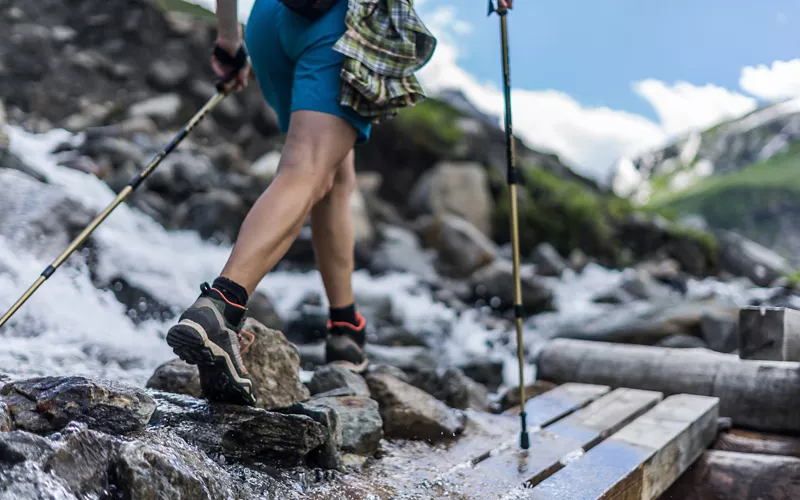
(236, 62)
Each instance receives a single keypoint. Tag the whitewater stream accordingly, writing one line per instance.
(71, 327)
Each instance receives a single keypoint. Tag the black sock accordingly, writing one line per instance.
(345, 314)
(231, 290)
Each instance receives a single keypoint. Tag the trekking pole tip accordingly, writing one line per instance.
(524, 439)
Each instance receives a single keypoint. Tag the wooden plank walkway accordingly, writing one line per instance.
(587, 443)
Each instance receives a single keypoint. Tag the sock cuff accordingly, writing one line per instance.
(233, 291)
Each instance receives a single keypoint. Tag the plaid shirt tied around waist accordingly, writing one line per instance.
(384, 45)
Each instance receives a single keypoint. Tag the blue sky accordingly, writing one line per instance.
(594, 50)
(596, 81)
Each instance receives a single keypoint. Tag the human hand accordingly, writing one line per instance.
(503, 5)
(232, 67)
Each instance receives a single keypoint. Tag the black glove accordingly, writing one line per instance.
(236, 63)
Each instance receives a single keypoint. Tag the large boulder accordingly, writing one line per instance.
(743, 257)
(329, 377)
(462, 247)
(274, 365)
(239, 432)
(47, 404)
(452, 387)
(460, 189)
(410, 413)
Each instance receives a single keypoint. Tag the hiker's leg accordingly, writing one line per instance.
(332, 235)
(315, 146)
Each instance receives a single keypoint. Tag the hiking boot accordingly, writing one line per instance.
(345, 345)
(208, 335)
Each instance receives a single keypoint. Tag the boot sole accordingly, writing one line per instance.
(218, 379)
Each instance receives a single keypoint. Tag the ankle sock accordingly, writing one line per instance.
(345, 314)
(233, 291)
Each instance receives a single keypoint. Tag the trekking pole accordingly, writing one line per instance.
(127, 190)
(513, 178)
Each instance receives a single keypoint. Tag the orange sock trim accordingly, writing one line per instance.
(226, 299)
(360, 326)
(252, 339)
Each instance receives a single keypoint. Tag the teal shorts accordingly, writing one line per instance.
(295, 64)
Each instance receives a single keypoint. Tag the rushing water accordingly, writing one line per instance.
(71, 327)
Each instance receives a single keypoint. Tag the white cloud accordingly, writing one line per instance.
(775, 83)
(683, 107)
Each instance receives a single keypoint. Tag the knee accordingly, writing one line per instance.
(344, 182)
(316, 179)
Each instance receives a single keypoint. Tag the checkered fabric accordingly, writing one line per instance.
(384, 45)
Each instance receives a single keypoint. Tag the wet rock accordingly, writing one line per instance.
(329, 454)
(682, 342)
(5, 418)
(12, 162)
(460, 189)
(495, 281)
(214, 215)
(176, 376)
(274, 365)
(329, 377)
(510, 398)
(47, 404)
(360, 421)
(238, 432)
(462, 247)
(400, 250)
(743, 257)
(260, 308)
(142, 306)
(392, 371)
(488, 372)
(408, 359)
(547, 260)
(452, 387)
(27, 481)
(642, 286)
(17, 447)
(410, 413)
(720, 331)
(334, 393)
(163, 109)
(166, 75)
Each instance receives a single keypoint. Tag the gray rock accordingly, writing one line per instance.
(410, 413)
(329, 454)
(274, 365)
(163, 109)
(743, 257)
(496, 279)
(17, 447)
(681, 341)
(400, 250)
(334, 393)
(29, 482)
(460, 189)
(393, 371)
(642, 286)
(260, 308)
(238, 432)
(329, 377)
(452, 387)
(547, 260)
(166, 75)
(216, 214)
(360, 421)
(720, 331)
(485, 371)
(462, 247)
(408, 359)
(47, 404)
(176, 376)
(6, 424)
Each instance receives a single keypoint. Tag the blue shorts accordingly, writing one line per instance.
(295, 64)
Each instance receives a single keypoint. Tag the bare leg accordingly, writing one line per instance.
(332, 235)
(316, 144)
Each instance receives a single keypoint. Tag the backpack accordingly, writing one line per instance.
(310, 9)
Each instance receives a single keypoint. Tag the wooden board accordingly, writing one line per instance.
(755, 442)
(431, 464)
(571, 435)
(641, 460)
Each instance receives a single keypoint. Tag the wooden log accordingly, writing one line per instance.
(430, 463)
(756, 395)
(755, 442)
(573, 434)
(769, 333)
(640, 461)
(720, 475)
